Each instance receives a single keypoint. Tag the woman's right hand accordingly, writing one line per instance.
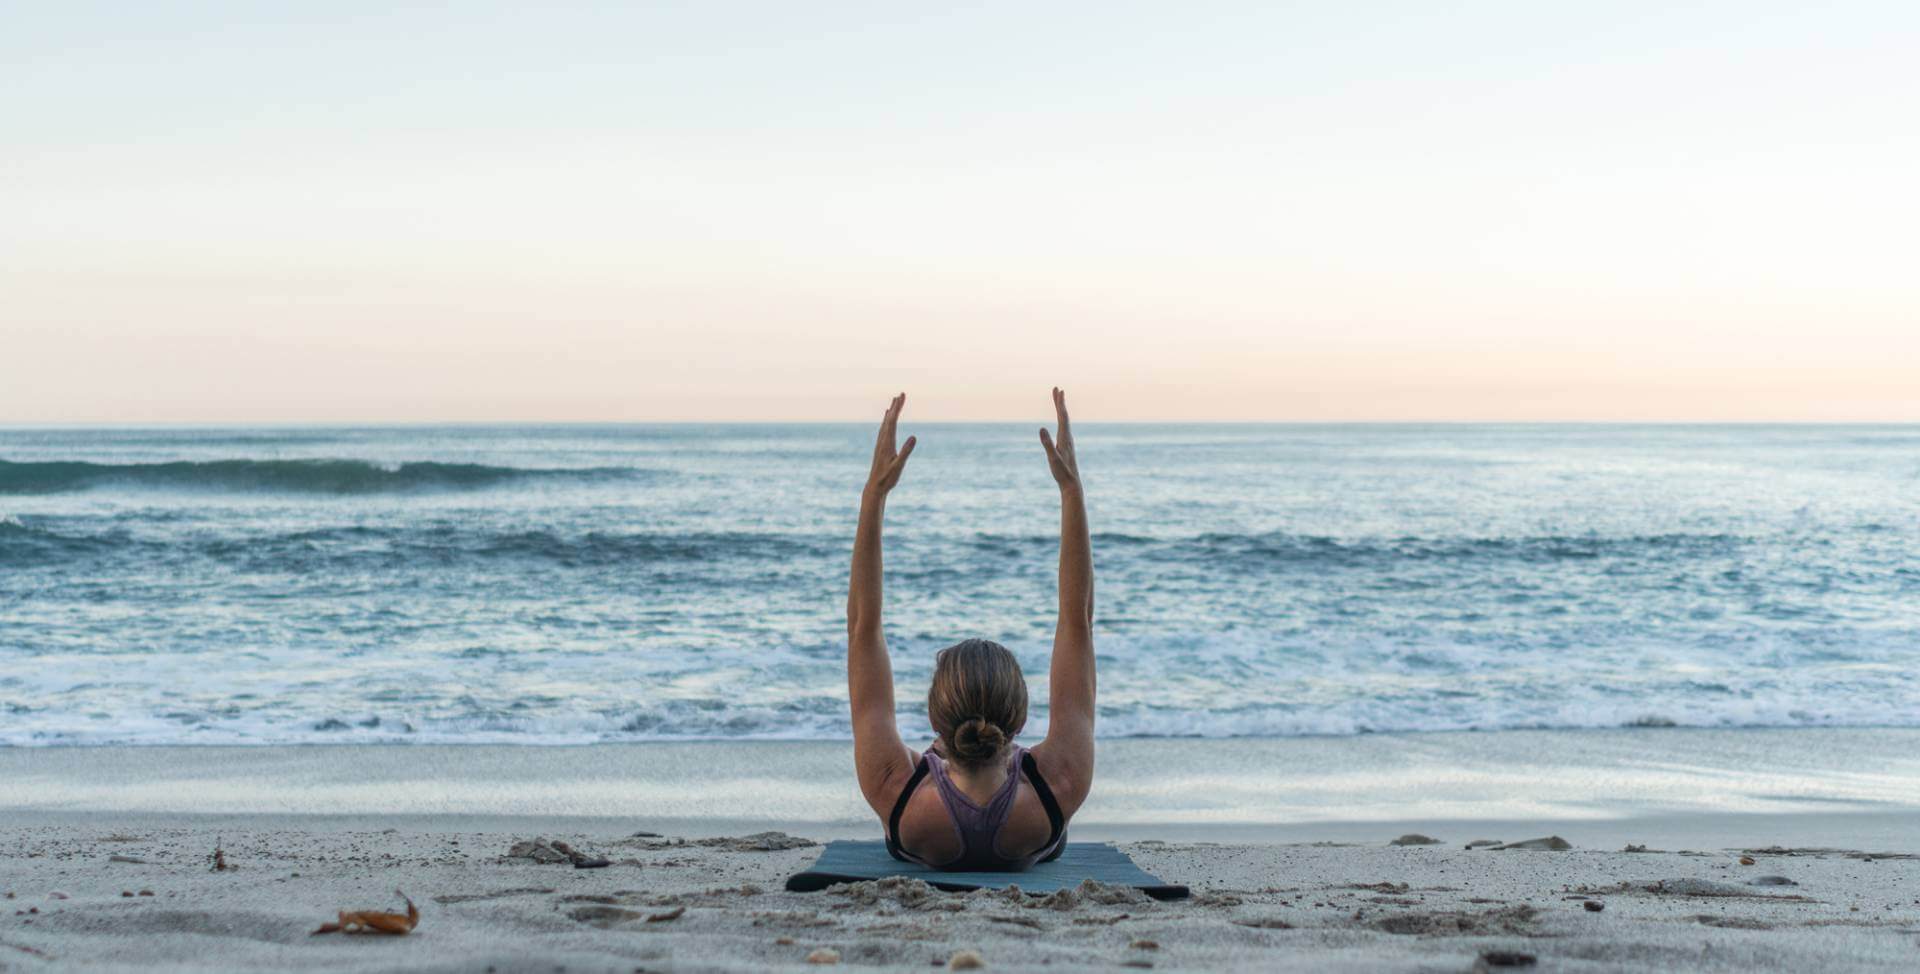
(1066, 470)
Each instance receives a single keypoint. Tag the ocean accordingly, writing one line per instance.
(581, 584)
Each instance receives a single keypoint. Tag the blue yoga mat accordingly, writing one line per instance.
(851, 862)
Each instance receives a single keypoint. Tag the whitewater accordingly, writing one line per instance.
(575, 584)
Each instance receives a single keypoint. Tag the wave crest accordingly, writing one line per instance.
(312, 476)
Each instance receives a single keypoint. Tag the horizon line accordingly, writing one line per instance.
(481, 423)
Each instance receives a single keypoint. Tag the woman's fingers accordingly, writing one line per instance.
(1060, 413)
(891, 475)
(883, 445)
(887, 462)
(1054, 460)
(892, 416)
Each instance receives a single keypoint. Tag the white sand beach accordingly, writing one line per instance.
(106, 859)
(86, 897)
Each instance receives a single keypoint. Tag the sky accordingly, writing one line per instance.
(377, 212)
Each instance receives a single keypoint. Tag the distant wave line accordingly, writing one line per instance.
(23, 542)
(36, 538)
(307, 476)
(33, 728)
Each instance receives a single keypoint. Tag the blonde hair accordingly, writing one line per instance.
(978, 701)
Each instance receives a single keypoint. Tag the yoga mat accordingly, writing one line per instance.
(846, 861)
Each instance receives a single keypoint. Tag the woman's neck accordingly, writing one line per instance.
(981, 781)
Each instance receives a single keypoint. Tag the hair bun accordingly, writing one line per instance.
(977, 740)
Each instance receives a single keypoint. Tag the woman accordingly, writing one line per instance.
(974, 800)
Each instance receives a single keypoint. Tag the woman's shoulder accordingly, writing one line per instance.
(1066, 769)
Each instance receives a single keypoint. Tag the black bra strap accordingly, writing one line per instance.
(900, 806)
(1057, 821)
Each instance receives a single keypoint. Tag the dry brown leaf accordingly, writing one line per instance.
(370, 921)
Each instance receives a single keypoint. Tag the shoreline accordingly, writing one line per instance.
(1704, 788)
(1240, 783)
(533, 742)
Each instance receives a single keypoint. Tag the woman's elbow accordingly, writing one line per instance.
(861, 626)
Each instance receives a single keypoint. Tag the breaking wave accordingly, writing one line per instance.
(311, 476)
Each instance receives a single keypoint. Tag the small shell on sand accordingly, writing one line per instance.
(538, 850)
(824, 955)
(965, 960)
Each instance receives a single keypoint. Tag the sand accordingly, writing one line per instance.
(667, 904)
(1286, 843)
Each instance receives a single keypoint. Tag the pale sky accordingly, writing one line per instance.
(1240, 211)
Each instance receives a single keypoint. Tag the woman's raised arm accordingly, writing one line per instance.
(1068, 749)
(880, 758)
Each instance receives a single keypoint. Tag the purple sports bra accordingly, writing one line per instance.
(979, 825)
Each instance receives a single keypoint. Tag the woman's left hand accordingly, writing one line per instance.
(887, 461)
